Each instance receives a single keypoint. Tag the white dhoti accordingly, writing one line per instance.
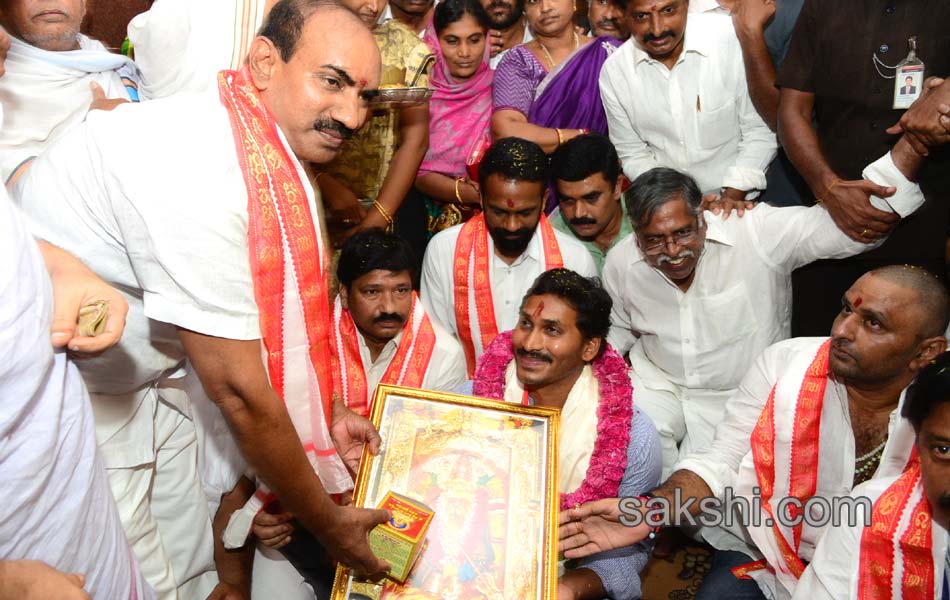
(685, 418)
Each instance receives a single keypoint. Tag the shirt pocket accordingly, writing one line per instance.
(728, 317)
(717, 124)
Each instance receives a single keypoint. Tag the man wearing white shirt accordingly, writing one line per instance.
(676, 96)
(812, 418)
(49, 70)
(381, 331)
(178, 227)
(474, 275)
(694, 291)
(882, 549)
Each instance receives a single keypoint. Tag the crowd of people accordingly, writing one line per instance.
(633, 212)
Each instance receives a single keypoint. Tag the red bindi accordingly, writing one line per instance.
(538, 310)
(363, 83)
(857, 302)
(509, 203)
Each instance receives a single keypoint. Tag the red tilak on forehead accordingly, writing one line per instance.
(509, 202)
(363, 83)
(858, 302)
(538, 310)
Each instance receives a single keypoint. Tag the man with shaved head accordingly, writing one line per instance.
(813, 418)
(213, 234)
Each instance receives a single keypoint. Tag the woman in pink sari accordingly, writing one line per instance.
(459, 111)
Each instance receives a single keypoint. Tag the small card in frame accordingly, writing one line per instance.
(488, 469)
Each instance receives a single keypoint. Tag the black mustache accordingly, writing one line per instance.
(536, 355)
(497, 4)
(334, 126)
(613, 22)
(388, 317)
(583, 221)
(650, 37)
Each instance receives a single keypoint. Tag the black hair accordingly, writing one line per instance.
(585, 295)
(514, 159)
(373, 249)
(586, 155)
(450, 11)
(930, 389)
(286, 21)
(656, 187)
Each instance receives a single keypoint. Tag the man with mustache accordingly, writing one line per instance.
(381, 332)
(696, 293)
(906, 549)
(475, 274)
(812, 418)
(606, 17)
(54, 76)
(508, 27)
(557, 357)
(586, 174)
(213, 235)
(676, 96)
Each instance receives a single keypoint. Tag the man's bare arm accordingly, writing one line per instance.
(233, 566)
(234, 378)
(750, 18)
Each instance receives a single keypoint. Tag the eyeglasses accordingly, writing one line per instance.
(656, 244)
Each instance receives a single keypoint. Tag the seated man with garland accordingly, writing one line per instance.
(557, 356)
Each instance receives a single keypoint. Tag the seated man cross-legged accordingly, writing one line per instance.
(557, 357)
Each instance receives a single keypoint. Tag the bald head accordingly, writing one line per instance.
(932, 304)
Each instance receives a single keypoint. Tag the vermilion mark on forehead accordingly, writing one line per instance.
(363, 83)
(537, 311)
(858, 302)
(510, 202)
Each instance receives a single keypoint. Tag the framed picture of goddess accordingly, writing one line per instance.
(488, 470)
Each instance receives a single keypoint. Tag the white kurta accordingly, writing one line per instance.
(834, 571)
(167, 225)
(727, 462)
(683, 345)
(509, 283)
(44, 94)
(446, 371)
(180, 45)
(697, 117)
(57, 506)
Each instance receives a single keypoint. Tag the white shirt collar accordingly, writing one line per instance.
(534, 251)
(384, 355)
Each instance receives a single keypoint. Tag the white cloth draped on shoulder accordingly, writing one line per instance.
(45, 93)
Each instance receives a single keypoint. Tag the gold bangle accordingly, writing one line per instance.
(458, 196)
(831, 185)
(560, 136)
(385, 213)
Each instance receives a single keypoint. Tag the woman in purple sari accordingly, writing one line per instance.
(547, 90)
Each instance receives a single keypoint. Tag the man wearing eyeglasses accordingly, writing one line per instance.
(698, 295)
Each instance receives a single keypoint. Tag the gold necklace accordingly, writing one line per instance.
(548, 54)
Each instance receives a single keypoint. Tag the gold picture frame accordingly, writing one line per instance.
(489, 470)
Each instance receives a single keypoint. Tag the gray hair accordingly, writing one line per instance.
(656, 187)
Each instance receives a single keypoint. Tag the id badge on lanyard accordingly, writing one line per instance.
(909, 77)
